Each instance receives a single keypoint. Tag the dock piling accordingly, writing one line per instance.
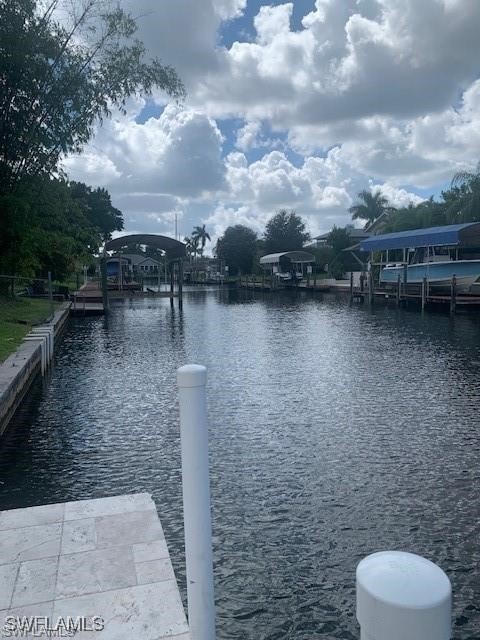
(371, 293)
(424, 293)
(402, 595)
(453, 295)
(196, 500)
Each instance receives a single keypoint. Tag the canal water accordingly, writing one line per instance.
(336, 431)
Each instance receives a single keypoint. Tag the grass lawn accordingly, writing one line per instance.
(17, 316)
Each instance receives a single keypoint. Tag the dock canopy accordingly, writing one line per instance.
(296, 257)
(173, 248)
(466, 235)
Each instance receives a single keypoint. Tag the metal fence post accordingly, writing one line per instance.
(401, 595)
(196, 501)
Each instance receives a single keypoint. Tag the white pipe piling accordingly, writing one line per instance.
(192, 381)
(401, 595)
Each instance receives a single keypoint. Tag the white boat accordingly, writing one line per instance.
(437, 274)
(435, 254)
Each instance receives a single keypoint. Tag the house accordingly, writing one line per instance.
(133, 264)
(148, 265)
(356, 236)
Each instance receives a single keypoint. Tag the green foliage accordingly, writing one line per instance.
(370, 207)
(59, 79)
(286, 231)
(323, 257)
(459, 203)
(238, 248)
(339, 239)
(462, 201)
(17, 316)
(98, 208)
(51, 225)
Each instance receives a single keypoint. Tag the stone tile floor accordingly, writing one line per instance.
(105, 557)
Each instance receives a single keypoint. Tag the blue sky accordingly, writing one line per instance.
(364, 94)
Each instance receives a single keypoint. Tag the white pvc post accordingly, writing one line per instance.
(403, 596)
(196, 501)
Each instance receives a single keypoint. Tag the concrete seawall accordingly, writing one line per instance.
(20, 369)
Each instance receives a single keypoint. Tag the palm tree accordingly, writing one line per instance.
(371, 207)
(200, 236)
(465, 205)
(190, 247)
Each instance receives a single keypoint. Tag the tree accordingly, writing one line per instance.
(190, 247)
(339, 239)
(200, 237)
(99, 209)
(285, 231)
(463, 199)
(59, 79)
(237, 247)
(370, 207)
(415, 216)
(55, 226)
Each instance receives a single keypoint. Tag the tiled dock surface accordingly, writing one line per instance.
(105, 557)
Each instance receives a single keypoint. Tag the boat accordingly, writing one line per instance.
(435, 254)
(437, 274)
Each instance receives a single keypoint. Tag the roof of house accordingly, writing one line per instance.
(293, 256)
(133, 258)
(146, 258)
(353, 232)
(466, 234)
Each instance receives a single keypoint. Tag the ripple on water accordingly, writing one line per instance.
(335, 432)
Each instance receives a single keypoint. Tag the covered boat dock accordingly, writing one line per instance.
(287, 266)
(425, 248)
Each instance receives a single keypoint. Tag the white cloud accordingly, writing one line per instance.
(224, 216)
(153, 167)
(228, 9)
(374, 94)
(351, 60)
(247, 136)
(397, 197)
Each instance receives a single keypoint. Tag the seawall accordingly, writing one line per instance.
(20, 369)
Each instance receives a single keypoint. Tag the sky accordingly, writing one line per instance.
(296, 105)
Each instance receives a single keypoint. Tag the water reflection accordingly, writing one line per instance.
(335, 431)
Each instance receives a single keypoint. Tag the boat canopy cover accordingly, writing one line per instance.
(293, 256)
(466, 234)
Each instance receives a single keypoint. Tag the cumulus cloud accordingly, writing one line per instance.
(247, 136)
(350, 60)
(397, 197)
(380, 94)
(153, 167)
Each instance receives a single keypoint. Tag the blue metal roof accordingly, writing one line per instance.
(429, 237)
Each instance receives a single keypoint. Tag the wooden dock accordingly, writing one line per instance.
(268, 284)
(100, 565)
(421, 295)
